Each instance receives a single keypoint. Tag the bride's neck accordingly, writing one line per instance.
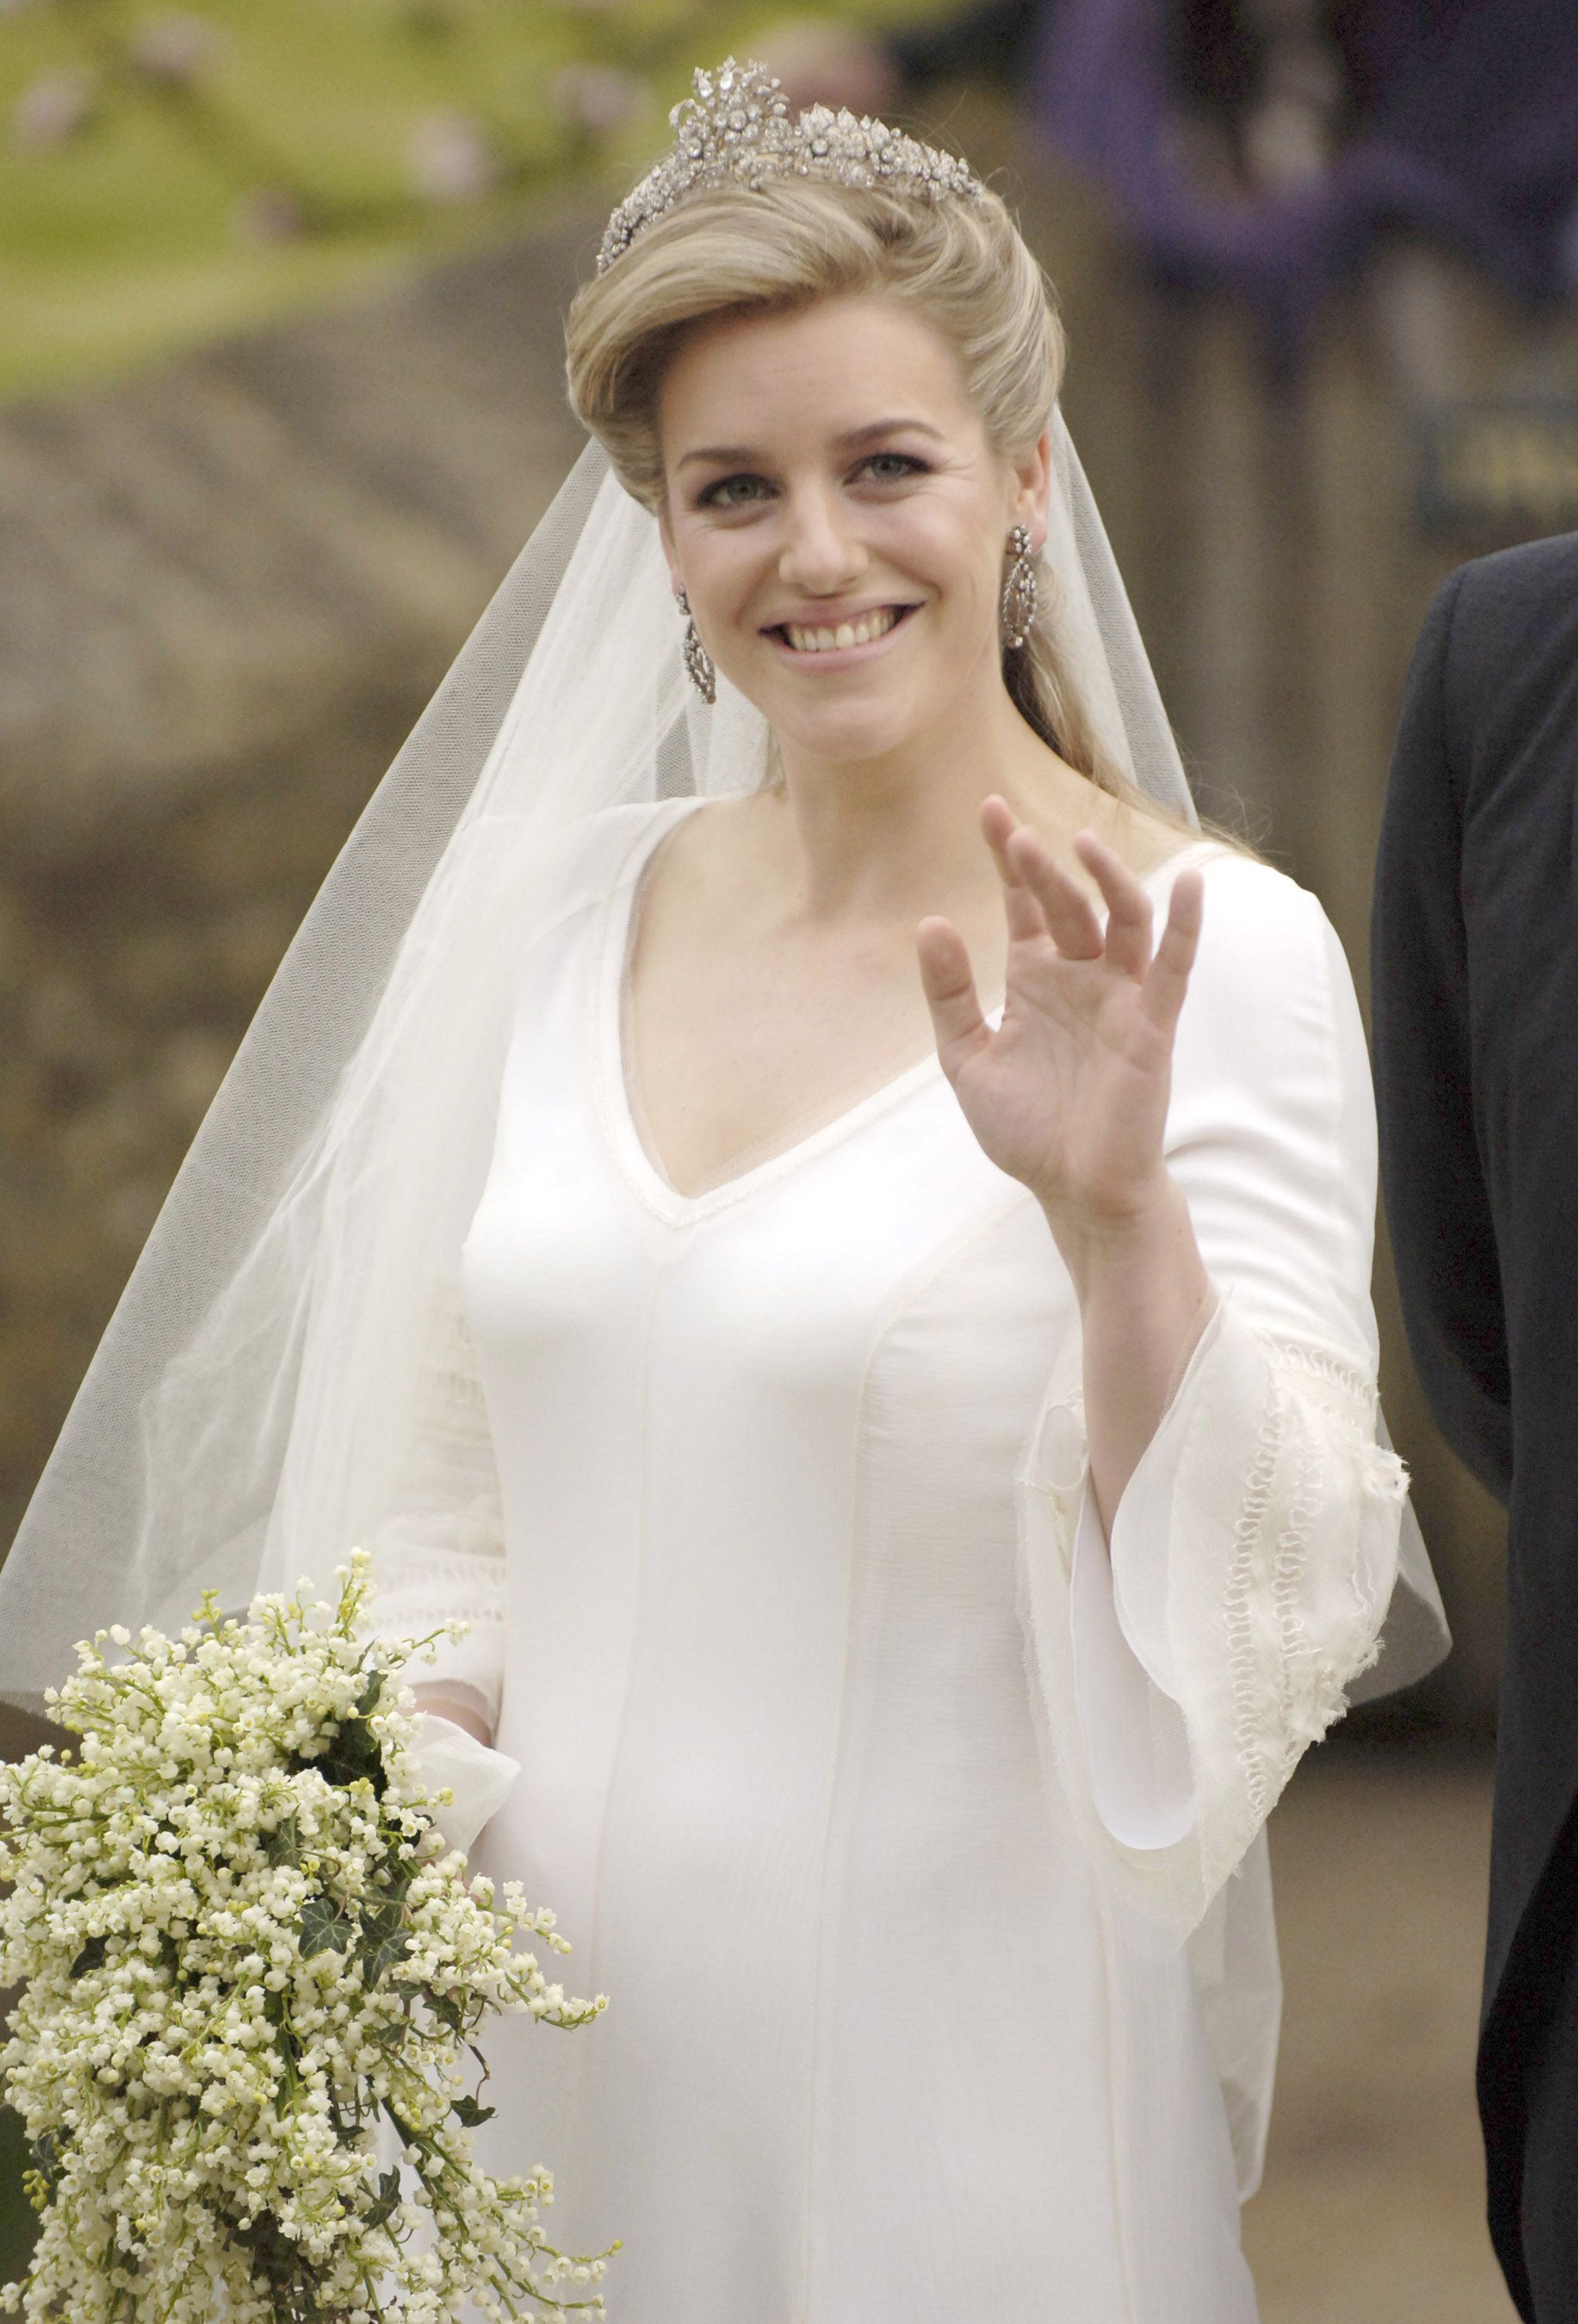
(892, 836)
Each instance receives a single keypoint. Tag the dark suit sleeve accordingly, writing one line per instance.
(1443, 1235)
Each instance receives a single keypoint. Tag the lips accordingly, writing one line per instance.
(846, 636)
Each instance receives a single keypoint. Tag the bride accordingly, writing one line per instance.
(836, 1228)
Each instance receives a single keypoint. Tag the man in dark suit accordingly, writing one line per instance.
(1476, 1055)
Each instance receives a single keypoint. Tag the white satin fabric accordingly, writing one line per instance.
(877, 1795)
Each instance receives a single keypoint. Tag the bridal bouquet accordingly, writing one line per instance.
(246, 1944)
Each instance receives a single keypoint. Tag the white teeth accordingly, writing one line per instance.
(847, 633)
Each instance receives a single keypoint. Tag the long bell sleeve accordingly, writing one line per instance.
(1182, 1668)
(438, 1553)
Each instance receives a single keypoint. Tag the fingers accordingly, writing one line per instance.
(1128, 916)
(1168, 980)
(1065, 908)
(949, 986)
(1021, 909)
(1041, 895)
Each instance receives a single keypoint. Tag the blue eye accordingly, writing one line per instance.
(722, 493)
(743, 489)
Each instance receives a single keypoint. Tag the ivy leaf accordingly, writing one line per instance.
(282, 1845)
(447, 2010)
(277, 2262)
(350, 1753)
(90, 1957)
(381, 1954)
(468, 2112)
(398, 1871)
(387, 2201)
(322, 1929)
(289, 2088)
(45, 2154)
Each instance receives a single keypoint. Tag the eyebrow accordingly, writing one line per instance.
(849, 441)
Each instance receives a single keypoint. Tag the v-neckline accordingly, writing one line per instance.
(619, 1093)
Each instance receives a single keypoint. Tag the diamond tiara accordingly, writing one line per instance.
(737, 128)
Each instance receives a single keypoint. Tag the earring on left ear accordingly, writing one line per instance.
(698, 662)
(1018, 590)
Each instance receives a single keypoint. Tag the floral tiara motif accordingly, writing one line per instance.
(737, 128)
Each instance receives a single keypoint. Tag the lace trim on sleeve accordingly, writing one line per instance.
(1248, 1526)
(1323, 1430)
(1251, 1561)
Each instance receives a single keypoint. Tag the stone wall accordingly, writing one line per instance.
(226, 590)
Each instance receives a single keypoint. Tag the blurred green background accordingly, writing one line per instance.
(171, 173)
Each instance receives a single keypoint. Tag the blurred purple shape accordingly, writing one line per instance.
(824, 60)
(51, 110)
(599, 99)
(268, 214)
(449, 158)
(175, 47)
(1465, 130)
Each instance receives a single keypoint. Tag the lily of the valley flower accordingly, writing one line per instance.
(244, 1946)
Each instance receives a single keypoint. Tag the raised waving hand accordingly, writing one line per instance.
(1069, 1094)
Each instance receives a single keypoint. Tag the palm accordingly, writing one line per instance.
(1070, 1092)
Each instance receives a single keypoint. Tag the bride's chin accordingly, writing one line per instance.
(846, 748)
(832, 730)
(839, 732)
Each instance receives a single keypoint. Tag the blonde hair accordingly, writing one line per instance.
(960, 261)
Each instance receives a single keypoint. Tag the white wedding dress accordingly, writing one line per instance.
(873, 1792)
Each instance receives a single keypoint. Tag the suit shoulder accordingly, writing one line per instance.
(1505, 646)
(1536, 576)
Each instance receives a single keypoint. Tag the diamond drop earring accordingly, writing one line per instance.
(697, 660)
(1018, 590)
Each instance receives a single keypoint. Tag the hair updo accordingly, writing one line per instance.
(730, 250)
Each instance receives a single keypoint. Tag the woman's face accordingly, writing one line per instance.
(839, 521)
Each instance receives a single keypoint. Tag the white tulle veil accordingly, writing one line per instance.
(250, 1400)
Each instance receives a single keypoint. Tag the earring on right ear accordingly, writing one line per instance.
(1018, 590)
(698, 662)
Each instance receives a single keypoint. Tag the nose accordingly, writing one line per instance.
(823, 553)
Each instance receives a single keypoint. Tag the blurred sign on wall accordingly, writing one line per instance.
(1497, 470)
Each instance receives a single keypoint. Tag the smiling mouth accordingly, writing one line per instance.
(841, 636)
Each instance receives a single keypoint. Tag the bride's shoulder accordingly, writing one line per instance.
(616, 833)
(1243, 889)
(542, 876)
(1269, 955)
(594, 852)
